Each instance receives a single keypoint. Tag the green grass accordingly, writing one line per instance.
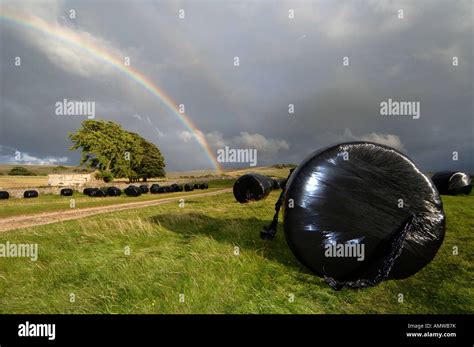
(50, 202)
(43, 170)
(190, 250)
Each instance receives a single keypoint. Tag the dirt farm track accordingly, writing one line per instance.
(25, 221)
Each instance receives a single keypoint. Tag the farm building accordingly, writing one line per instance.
(70, 180)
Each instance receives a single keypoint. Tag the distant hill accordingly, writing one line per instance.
(43, 170)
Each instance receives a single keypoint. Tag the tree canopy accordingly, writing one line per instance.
(21, 171)
(152, 163)
(111, 149)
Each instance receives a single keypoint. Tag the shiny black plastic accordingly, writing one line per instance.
(99, 193)
(113, 191)
(144, 188)
(88, 191)
(30, 194)
(164, 189)
(367, 195)
(252, 187)
(4, 195)
(66, 192)
(452, 182)
(133, 191)
(154, 189)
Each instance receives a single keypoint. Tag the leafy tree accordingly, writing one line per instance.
(106, 146)
(21, 171)
(153, 163)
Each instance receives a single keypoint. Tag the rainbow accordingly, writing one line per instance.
(73, 39)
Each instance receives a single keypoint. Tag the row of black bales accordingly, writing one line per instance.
(114, 191)
(28, 194)
(188, 187)
(157, 189)
(329, 201)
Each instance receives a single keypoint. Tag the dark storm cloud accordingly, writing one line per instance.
(282, 61)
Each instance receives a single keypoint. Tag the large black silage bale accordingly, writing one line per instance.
(452, 182)
(176, 188)
(114, 191)
(154, 189)
(144, 188)
(252, 187)
(66, 192)
(361, 196)
(99, 193)
(4, 195)
(133, 191)
(30, 194)
(89, 191)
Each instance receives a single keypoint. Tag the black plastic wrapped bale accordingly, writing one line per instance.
(89, 191)
(30, 194)
(196, 186)
(4, 195)
(165, 189)
(176, 188)
(452, 182)
(359, 213)
(188, 187)
(99, 193)
(203, 186)
(66, 192)
(154, 189)
(133, 191)
(276, 184)
(144, 188)
(252, 187)
(114, 191)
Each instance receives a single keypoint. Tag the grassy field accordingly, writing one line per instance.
(50, 202)
(192, 251)
(9, 182)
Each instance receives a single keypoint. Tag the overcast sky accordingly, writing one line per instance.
(283, 61)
